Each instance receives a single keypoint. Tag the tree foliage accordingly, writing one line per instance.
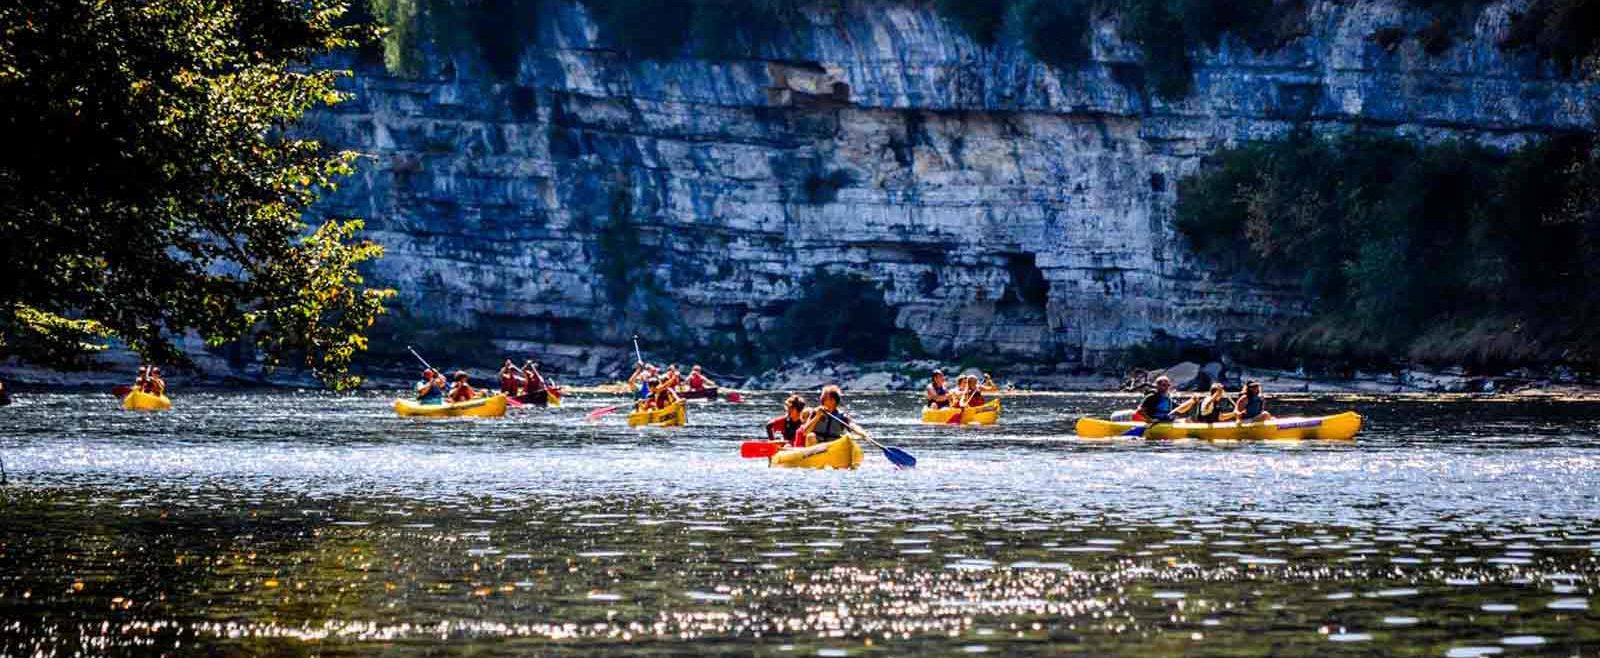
(1396, 238)
(152, 185)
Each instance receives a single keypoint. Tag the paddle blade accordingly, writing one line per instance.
(511, 401)
(1137, 431)
(759, 449)
(734, 397)
(597, 413)
(899, 458)
(122, 390)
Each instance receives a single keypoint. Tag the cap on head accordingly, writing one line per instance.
(1163, 381)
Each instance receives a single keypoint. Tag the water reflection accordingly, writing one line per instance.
(311, 523)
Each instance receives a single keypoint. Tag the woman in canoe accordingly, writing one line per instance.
(510, 378)
(787, 426)
(639, 381)
(672, 379)
(1213, 405)
(971, 392)
(938, 397)
(1251, 407)
(461, 391)
(534, 381)
(699, 382)
(827, 423)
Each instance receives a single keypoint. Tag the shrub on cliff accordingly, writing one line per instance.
(1394, 238)
(150, 186)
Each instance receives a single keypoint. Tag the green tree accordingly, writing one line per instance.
(152, 184)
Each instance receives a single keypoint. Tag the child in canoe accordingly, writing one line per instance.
(789, 424)
(461, 391)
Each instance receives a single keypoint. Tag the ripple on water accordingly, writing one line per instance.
(1568, 604)
(1522, 640)
(1473, 652)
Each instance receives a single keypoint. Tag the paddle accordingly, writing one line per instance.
(597, 413)
(760, 449)
(956, 419)
(896, 456)
(734, 397)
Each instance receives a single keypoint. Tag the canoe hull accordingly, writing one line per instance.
(550, 397)
(702, 394)
(673, 416)
(1338, 427)
(141, 401)
(842, 453)
(490, 407)
(987, 413)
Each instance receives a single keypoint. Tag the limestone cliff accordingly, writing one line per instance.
(1007, 208)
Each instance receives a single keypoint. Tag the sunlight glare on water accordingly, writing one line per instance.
(255, 521)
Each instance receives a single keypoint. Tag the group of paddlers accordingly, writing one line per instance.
(1213, 407)
(149, 381)
(659, 388)
(524, 383)
(968, 392)
(802, 427)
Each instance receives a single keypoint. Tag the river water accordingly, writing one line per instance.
(314, 524)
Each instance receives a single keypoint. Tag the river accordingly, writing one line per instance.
(313, 524)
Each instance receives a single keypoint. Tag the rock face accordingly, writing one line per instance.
(1006, 208)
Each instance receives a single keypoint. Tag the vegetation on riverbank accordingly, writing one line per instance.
(1446, 254)
(151, 188)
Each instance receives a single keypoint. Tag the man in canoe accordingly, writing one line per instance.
(938, 397)
(827, 423)
(698, 380)
(672, 379)
(461, 391)
(787, 426)
(971, 394)
(1251, 407)
(1157, 407)
(431, 388)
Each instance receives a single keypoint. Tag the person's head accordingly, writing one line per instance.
(830, 397)
(695, 369)
(154, 370)
(938, 377)
(1216, 390)
(461, 377)
(794, 405)
(1163, 384)
(1252, 388)
(509, 364)
(427, 373)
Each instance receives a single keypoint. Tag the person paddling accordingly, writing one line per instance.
(828, 423)
(535, 381)
(151, 382)
(1251, 407)
(1157, 407)
(787, 426)
(972, 393)
(1213, 406)
(431, 388)
(698, 381)
(461, 391)
(510, 378)
(937, 396)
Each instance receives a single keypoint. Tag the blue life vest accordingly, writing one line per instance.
(434, 396)
(644, 390)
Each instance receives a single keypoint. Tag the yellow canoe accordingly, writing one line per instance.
(1338, 427)
(141, 401)
(489, 407)
(673, 416)
(985, 414)
(839, 453)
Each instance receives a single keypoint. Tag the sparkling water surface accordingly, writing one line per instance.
(315, 524)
